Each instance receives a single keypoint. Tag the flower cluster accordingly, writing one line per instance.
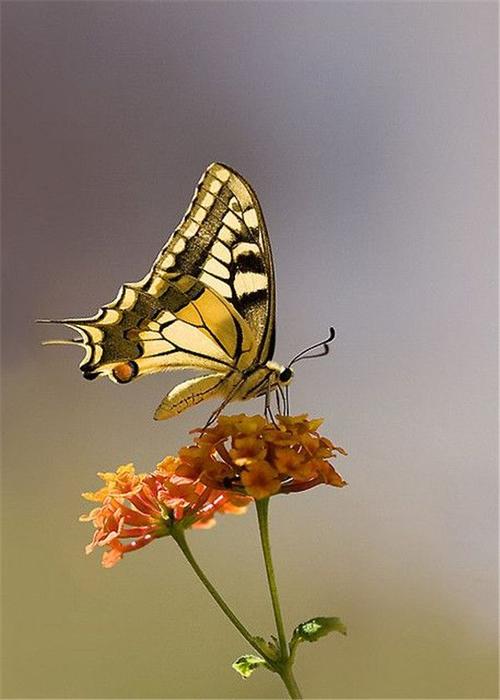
(238, 459)
(258, 458)
(135, 508)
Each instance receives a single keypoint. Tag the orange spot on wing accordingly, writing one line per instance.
(125, 372)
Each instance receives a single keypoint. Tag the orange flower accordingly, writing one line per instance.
(300, 424)
(261, 480)
(239, 458)
(138, 508)
(194, 459)
(289, 462)
(247, 449)
(253, 456)
(242, 424)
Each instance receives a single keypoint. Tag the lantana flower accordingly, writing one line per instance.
(258, 458)
(238, 459)
(139, 508)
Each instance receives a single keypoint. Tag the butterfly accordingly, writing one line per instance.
(208, 303)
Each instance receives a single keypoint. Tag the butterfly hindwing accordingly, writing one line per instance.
(190, 393)
(186, 325)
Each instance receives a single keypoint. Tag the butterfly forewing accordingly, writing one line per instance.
(223, 241)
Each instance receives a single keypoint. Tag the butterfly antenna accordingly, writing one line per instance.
(324, 345)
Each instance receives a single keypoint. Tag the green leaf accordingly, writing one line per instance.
(246, 665)
(315, 628)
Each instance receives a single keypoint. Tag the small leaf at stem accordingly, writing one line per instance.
(269, 649)
(246, 665)
(315, 628)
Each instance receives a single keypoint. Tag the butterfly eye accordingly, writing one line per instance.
(125, 372)
(285, 375)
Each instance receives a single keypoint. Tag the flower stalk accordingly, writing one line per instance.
(286, 660)
(283, 665)
(262, 507)
(180, 539)
(290, 683)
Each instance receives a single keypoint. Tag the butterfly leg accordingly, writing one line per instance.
(281, 401)
(287, 400)
(267, 404)
(277, 396)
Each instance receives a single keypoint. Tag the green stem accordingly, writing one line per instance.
(284, 668)
(180, 538)
(262, 506)
(290, 682)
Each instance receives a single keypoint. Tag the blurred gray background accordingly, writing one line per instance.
(368, 130)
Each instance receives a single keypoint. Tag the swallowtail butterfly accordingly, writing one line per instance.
(208, 303)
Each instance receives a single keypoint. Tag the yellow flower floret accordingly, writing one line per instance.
(123, 481)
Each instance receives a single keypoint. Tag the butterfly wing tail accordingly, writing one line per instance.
(190, 393)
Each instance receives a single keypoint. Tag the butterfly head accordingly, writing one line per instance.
(282, 375)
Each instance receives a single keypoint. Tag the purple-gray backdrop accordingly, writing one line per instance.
(369, 132)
